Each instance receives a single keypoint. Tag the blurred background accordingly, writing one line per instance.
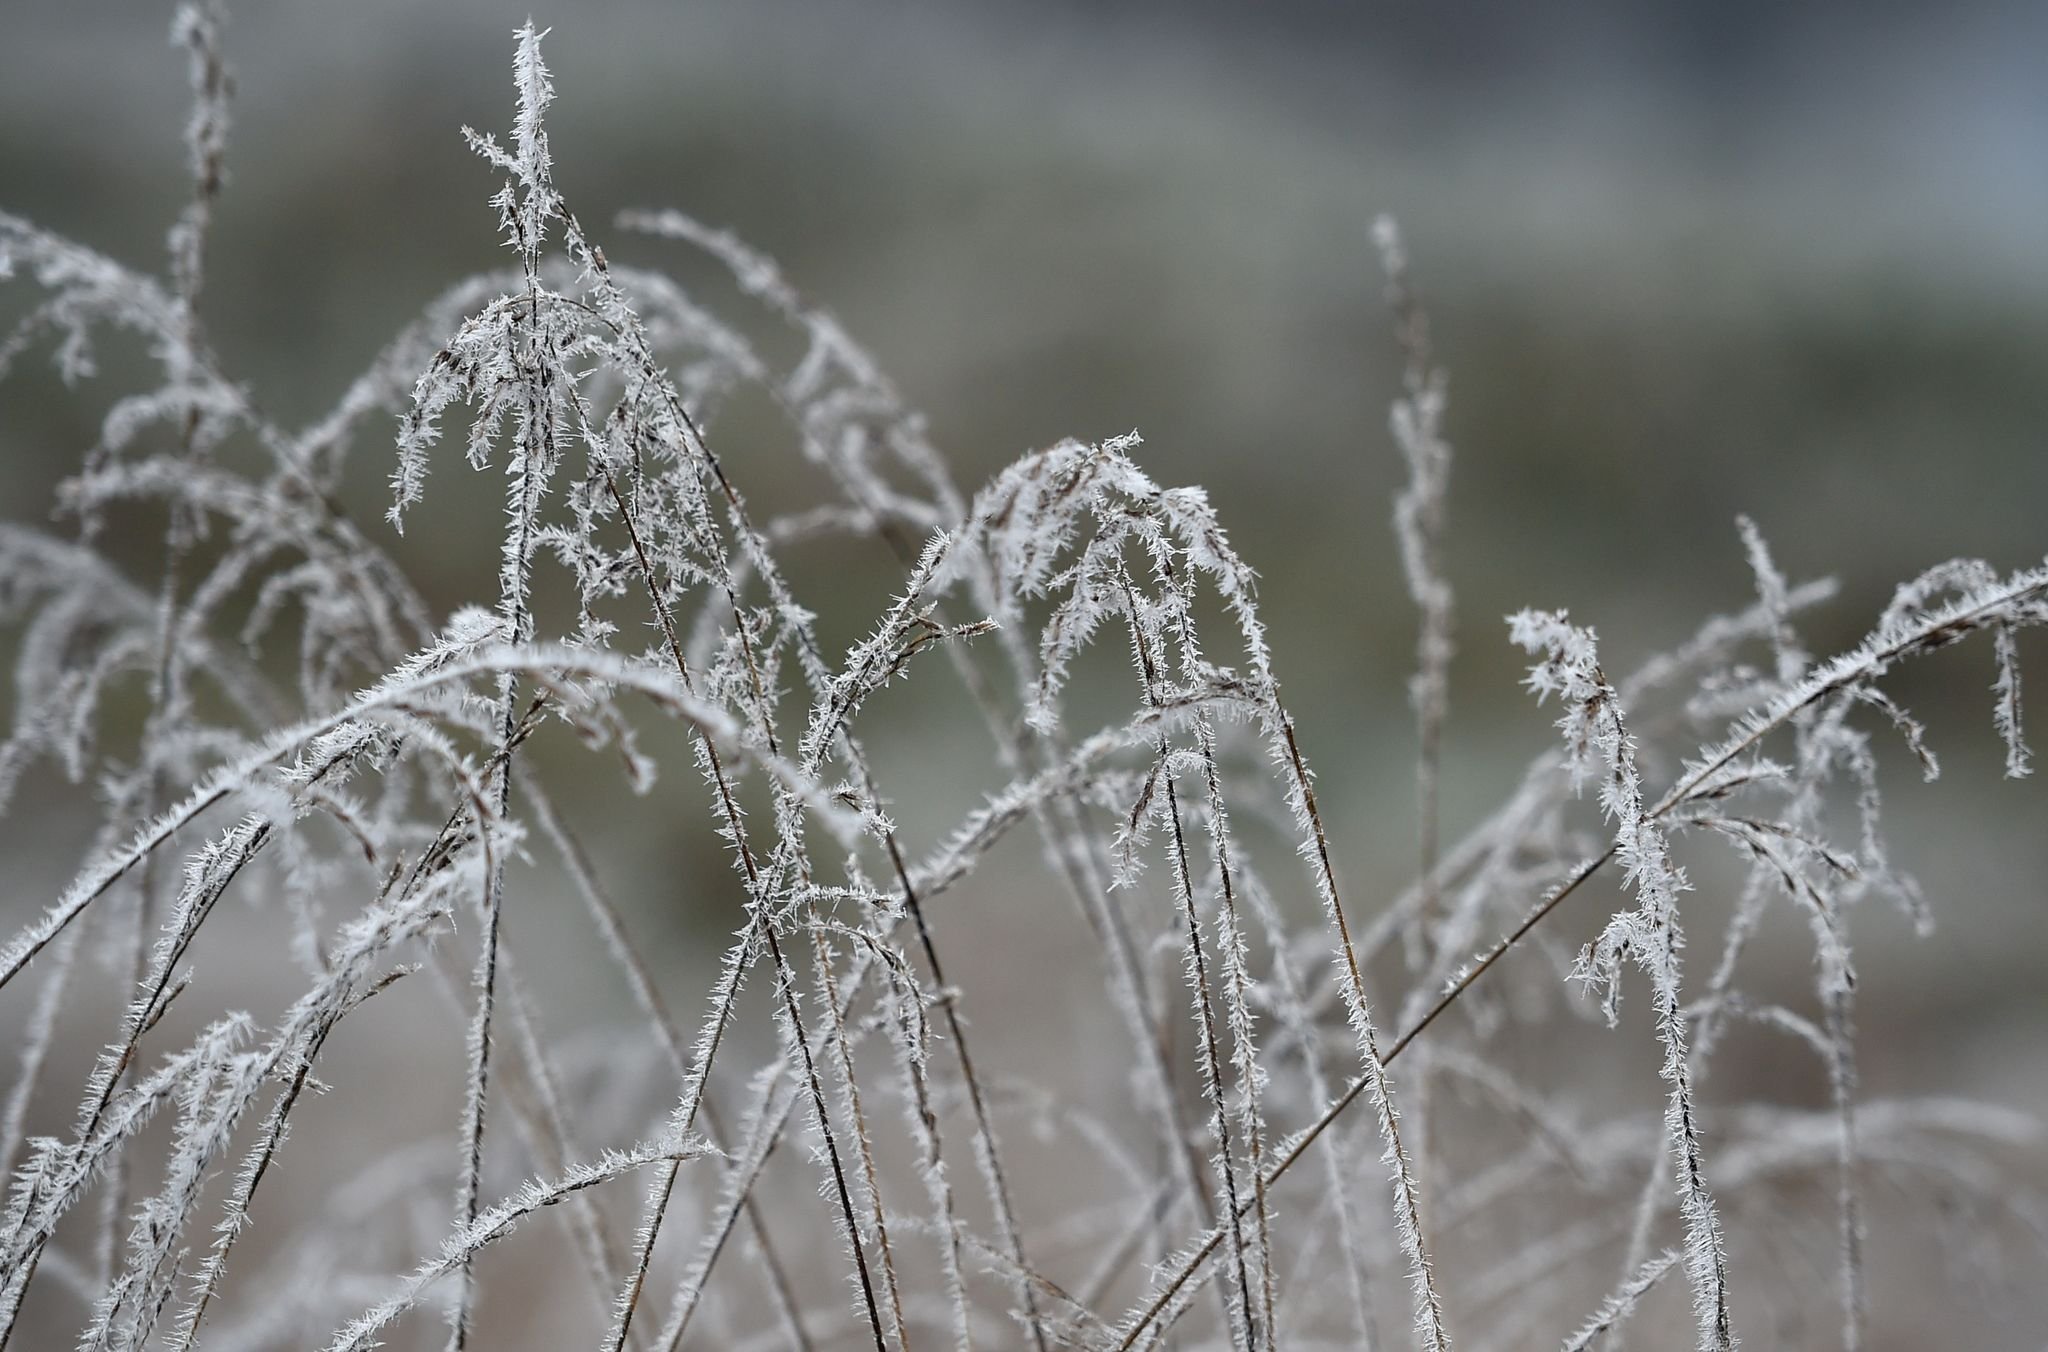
(1683, 260)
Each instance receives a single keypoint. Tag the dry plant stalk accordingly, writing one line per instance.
(371, 782)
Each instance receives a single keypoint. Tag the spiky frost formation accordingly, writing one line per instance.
(1648, 935)
(277, 705)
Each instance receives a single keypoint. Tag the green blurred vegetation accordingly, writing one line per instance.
(1662, 300)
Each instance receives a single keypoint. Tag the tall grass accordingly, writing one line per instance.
(1308, 1120)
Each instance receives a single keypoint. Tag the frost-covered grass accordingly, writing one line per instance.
(1320, 1133)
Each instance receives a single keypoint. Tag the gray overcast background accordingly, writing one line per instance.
(1684, 260)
